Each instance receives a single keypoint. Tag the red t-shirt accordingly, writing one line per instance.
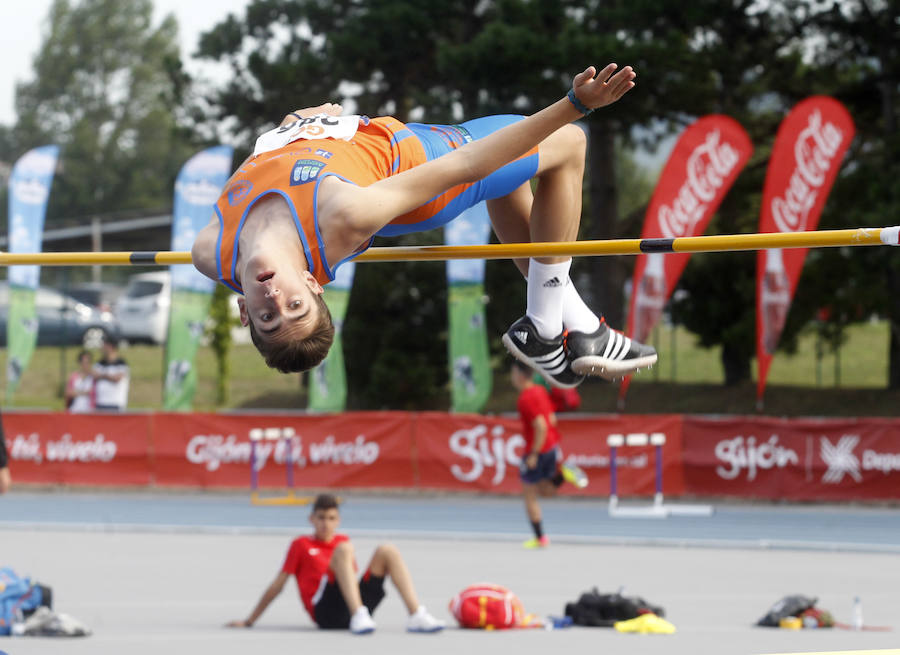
(308, 560)
(533, 402)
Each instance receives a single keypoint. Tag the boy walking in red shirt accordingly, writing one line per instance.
(543, 470)
(325, 569)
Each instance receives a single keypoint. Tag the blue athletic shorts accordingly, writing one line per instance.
(438, 140)
(545, 469)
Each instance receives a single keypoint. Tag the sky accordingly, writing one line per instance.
(24, 24)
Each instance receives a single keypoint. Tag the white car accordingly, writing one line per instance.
(143, 310)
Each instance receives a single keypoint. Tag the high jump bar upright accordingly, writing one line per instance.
(861, 236)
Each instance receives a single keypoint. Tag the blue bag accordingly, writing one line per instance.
(16, 593)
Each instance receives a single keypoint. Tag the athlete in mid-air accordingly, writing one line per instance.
(318, 189)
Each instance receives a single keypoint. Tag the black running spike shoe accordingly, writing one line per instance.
(546, 356)
(607, 353)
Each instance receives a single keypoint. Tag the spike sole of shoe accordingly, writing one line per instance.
(611, 369)
(525, 359)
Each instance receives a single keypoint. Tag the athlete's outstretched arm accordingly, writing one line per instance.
(268, 596)
(368, 209)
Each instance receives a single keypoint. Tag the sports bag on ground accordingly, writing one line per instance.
(487, 606)
(793, 605)
(18, 594)
(603, 610)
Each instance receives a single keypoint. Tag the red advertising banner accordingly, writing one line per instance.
(750, 457)
(792, 459)
(481, 453)
(102, 449)
(364, 449)
(808, 151)
(704, 164)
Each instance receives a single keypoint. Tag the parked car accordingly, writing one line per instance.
(62, 320)
(101, 295)
(142, 311)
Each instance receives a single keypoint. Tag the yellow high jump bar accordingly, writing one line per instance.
(861, 236)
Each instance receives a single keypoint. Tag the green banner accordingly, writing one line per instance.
(21, 336)
(197, 187)
(468, 348)
(29, 188)
(186, 323)
(470, 363)
(328, 381)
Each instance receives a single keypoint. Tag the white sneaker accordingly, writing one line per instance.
(361, 622)
(422, 621)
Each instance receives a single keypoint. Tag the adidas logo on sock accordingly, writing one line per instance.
(553, 282)
(522, 335)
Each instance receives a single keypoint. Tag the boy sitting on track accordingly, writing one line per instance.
(319, 188)
(325, 568)
(543, 470)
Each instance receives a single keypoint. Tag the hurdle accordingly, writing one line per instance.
(275, 436)
(658, 509)
(860, 236)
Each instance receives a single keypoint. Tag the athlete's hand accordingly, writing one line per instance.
(598, 90)
(531, 461)
(329, 108)
(239, 623)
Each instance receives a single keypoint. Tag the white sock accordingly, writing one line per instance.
(546, 286)
(577, 315)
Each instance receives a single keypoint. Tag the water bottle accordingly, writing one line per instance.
(17, 627)
(857, 613)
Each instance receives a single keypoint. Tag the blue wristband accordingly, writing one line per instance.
(577, 103)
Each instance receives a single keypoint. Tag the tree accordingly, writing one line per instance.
(859, 56)
(219, 333)
(107, 86)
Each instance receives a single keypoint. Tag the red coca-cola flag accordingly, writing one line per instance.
(807, 154)
(704, 164)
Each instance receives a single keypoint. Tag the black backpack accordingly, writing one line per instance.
(603, 610)
(788, 606)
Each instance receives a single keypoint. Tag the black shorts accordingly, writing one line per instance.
(332, 613)
(545, 469)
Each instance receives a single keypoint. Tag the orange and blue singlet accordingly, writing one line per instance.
(380, 148)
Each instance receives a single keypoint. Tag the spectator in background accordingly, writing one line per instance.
(111, 379)
(80, 387)
(542, 470)
(5, 480)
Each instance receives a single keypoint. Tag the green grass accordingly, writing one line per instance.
(862, 361)
(687, 379)
(251, 381)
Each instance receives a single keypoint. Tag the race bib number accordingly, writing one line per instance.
(320, 126)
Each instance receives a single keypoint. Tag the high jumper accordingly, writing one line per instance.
(318, 188)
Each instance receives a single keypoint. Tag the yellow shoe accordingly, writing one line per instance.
(574, 475)
(535, 543)
(646, 624)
